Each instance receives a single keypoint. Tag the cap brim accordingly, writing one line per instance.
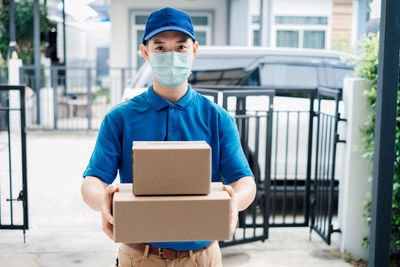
(169, 28)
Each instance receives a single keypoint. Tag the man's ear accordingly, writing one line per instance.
(195, 49)
(144, 51)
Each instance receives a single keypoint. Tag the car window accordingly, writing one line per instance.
(222, 62)
(334, 76)
(217, 77)
(253, 79)
(281, 75)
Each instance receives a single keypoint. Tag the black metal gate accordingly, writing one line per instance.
(325, 186)
(13, 172)
(279, 146)
(255, 128)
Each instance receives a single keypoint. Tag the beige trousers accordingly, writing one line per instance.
(129, 257)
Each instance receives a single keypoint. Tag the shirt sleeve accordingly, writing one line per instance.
(106, 157)
(233, 162)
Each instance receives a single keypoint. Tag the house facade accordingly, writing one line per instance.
(308, 24)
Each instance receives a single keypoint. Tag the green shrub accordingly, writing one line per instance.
(367, 67)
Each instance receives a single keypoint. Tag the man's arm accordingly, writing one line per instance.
(98, 195)
(242, 192)
(245, 191)
(93, 190)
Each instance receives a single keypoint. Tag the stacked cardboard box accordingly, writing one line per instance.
(171, 168)
(173, 198)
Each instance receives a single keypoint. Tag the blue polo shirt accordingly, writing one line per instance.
(149, 117)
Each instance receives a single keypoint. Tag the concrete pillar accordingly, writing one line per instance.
(239, 23)
(355, 183)
(265, 22)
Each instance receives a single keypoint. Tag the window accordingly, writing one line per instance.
(289, 75)
(200, 20)
(256, 37)
(314, 39)
(255, 19)
(202, 28)
(140, 19)
(332, 77)
(287, 39)
(217, 77)
(201, 37)
(255, 31)
(301, 31)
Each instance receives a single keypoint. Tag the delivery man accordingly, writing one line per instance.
(169, 110)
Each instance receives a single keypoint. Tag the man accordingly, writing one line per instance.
(168, 110)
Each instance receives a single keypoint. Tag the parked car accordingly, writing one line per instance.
(283, 68)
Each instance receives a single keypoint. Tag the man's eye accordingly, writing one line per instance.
(159, 48)
(181, 47)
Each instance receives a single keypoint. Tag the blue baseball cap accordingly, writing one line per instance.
(168, 19)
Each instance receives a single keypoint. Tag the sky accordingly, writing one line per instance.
(79, 9)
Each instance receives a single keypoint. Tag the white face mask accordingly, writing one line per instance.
(171, 68)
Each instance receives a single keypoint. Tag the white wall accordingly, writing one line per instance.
(97, 35)
(254, 7)
(239, 25)
(119, 15)
(303, 7)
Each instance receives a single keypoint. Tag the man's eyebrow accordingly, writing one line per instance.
(182, 41)
(158, 42)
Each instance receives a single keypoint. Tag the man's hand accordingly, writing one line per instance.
(234, 212)
(242, 192)
(106, 216)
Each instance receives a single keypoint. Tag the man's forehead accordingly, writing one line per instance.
(168, 35)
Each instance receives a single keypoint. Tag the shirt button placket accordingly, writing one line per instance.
(172, 119)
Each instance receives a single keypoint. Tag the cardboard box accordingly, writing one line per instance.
(170, 218)
(171, 168)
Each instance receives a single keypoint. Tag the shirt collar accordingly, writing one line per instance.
(158, 103)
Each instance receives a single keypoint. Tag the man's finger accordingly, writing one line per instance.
(111, 189)
(108, 217)
(233, 227)
(229, 189)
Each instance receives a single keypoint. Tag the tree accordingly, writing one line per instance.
(23, 28)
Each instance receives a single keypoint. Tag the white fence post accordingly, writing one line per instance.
(47, 97)
(355, 185)
(13, 79)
